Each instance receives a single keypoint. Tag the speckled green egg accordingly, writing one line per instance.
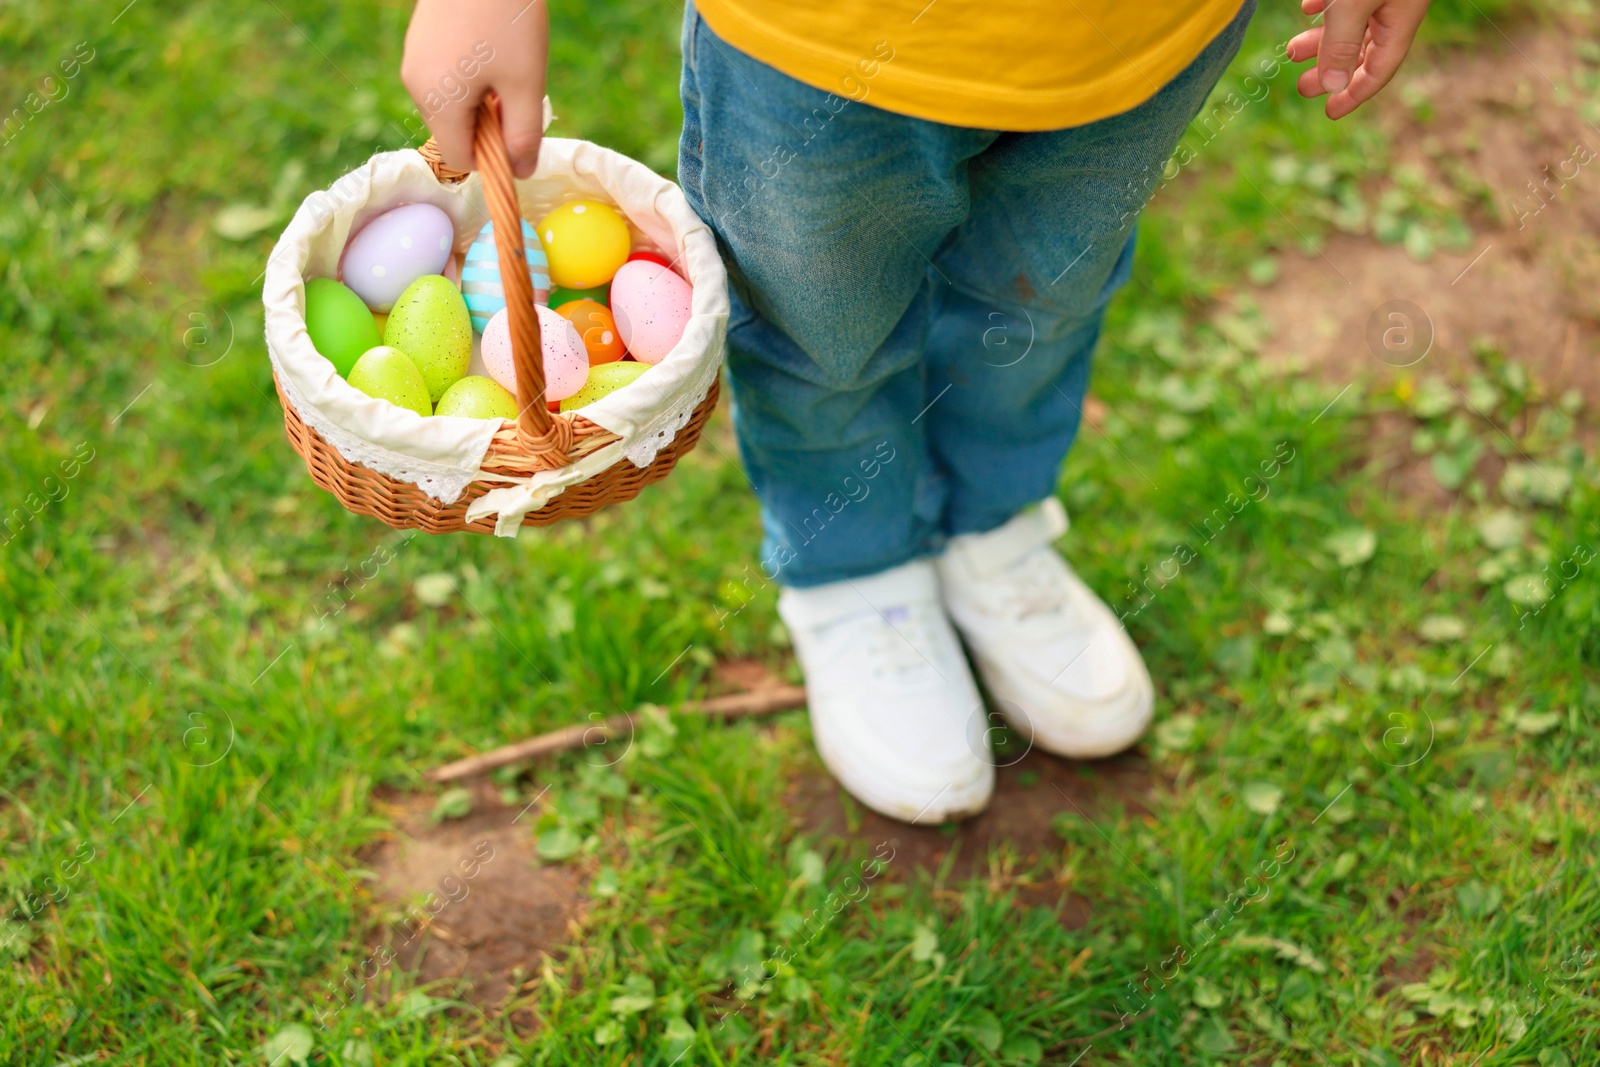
(603, 380)
(430, 323)
(388, 374)
(477, 397)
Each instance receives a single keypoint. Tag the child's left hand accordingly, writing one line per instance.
(1358, 48)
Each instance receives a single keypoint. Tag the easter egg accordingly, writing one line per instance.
(394, 250)
(496, 351)
(477, 397)
(566, 361)
(586, 242)
(382, 319)
(480, 274)
(597, 328)
(386, 373)
(650, 257)
(652, 306)
(429, 323)
(604, 380)
(340, 325)
(600, 294)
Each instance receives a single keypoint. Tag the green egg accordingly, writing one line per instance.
(477, 397)
(430, 324)
(388, 374)
(600, 294)
(604, 378)
(339, 323)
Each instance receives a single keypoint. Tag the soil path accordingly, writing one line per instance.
(1509, 142)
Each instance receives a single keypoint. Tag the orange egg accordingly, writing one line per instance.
(597, 328)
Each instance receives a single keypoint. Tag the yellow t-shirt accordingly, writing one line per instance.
(990, 64)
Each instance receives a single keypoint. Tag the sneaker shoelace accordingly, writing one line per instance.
(900, 642)
(1032, 586)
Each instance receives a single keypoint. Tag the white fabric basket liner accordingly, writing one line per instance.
(442, 455)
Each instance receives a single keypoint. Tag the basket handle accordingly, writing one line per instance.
(549, 437)
(534, 425)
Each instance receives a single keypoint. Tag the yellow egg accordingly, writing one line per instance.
(585, 242)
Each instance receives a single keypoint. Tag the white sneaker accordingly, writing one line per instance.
(895, 712)
(1058, 663)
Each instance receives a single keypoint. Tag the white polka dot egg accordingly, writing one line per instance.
(394, 250)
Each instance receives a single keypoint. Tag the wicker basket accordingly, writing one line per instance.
(538, 440)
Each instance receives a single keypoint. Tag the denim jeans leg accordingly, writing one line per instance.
(827, 211)
(1048, 242)
(875, 261)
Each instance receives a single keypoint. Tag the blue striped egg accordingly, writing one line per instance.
(480, 274)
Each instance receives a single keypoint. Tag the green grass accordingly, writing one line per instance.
(191, 741)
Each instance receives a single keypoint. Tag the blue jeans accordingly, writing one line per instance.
(915, 305)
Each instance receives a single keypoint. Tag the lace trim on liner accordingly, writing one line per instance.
(443, 482)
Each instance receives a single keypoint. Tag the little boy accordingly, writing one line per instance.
(924, 206)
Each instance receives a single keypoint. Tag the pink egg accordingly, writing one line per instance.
(652, 306)
(394, 250)
(566, 360)
(497, 351)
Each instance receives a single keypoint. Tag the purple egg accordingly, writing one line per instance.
(394, 250)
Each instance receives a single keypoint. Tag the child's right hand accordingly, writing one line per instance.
(457, 50)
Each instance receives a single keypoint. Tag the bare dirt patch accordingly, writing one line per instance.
(1412, 961)
(743, 676)
(492, 910)
(1006, 843)
(1505, 135)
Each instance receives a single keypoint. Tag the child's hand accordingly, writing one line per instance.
(1358, 47)
(456, 50)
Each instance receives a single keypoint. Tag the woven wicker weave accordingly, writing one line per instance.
(538, 440)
